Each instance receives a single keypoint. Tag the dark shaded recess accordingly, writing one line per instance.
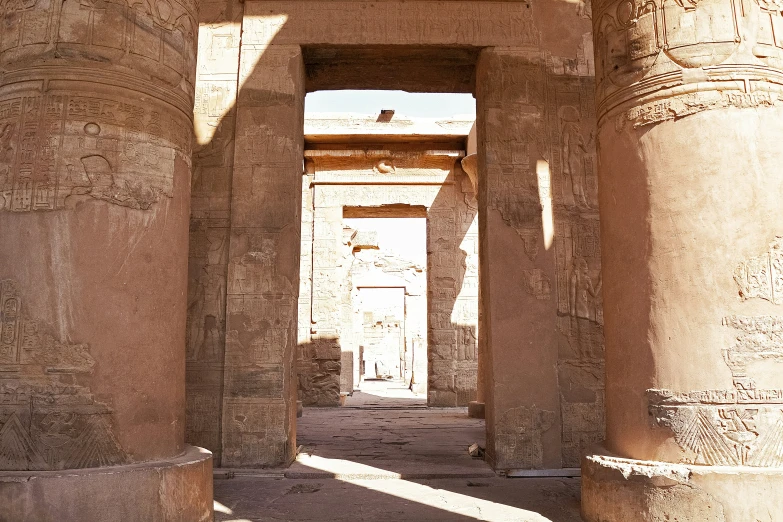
(395, 67)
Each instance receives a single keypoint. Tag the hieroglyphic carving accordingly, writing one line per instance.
(711, 53)
(742, 427)
(759, 338)
(762, 276)
(155, 36)
(63, 149)
(519, 435)
(579, 286)
(48, 420)
(425, 22)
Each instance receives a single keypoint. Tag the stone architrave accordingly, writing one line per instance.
(259, 391)
(690, 118)
(95, 150)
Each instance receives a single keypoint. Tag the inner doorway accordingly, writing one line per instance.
(389, 313)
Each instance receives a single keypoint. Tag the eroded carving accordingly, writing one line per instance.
(59, 150)
(47, 419)
(762, 276)
(758, 339)
(742, 427)
(519, 435)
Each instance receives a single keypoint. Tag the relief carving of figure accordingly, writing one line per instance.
(583, 301)
(575, 153)
(583, 294)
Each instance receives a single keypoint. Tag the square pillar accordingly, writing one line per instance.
(259, 401)
(517, 264)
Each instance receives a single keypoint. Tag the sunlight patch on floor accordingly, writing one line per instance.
(390, 483)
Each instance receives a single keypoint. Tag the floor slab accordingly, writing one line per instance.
(385, 456)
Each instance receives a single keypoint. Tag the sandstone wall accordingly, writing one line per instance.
(540, 262)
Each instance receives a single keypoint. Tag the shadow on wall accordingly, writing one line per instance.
(245, 241)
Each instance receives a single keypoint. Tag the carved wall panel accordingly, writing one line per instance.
(426, 22)
(70, 146)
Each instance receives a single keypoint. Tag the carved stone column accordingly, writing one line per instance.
(690, 125)
(95, 140)
(259, 393)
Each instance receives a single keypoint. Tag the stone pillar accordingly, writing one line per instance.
(259, 401)
(518, 311)
(690, 124)
(95, 142)
(213, 158)
(452, 292)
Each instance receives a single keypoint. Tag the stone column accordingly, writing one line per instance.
(690, 125)
(518, 311)
(95, 140)
(259, 398)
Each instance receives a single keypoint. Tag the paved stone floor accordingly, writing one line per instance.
(384, 456)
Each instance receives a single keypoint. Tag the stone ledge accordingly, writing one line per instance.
(176, 489)
(616, 489)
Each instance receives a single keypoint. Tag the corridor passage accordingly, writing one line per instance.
(385, 456)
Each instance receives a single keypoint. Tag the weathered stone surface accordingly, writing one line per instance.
(177, 489)
(692, 255)
(625, 489)
(537, 191)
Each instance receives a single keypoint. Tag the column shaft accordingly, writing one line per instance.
(690, 123)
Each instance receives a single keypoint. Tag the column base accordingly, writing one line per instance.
(619, 490)
(476, 410)
(178, 489)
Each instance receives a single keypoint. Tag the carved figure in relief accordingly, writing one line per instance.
(583, 294)
(48, 420)
(575, 153)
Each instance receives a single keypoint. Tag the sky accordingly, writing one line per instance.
(406, 237)
(422, 105)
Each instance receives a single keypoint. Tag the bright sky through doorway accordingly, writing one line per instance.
(422, 105)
